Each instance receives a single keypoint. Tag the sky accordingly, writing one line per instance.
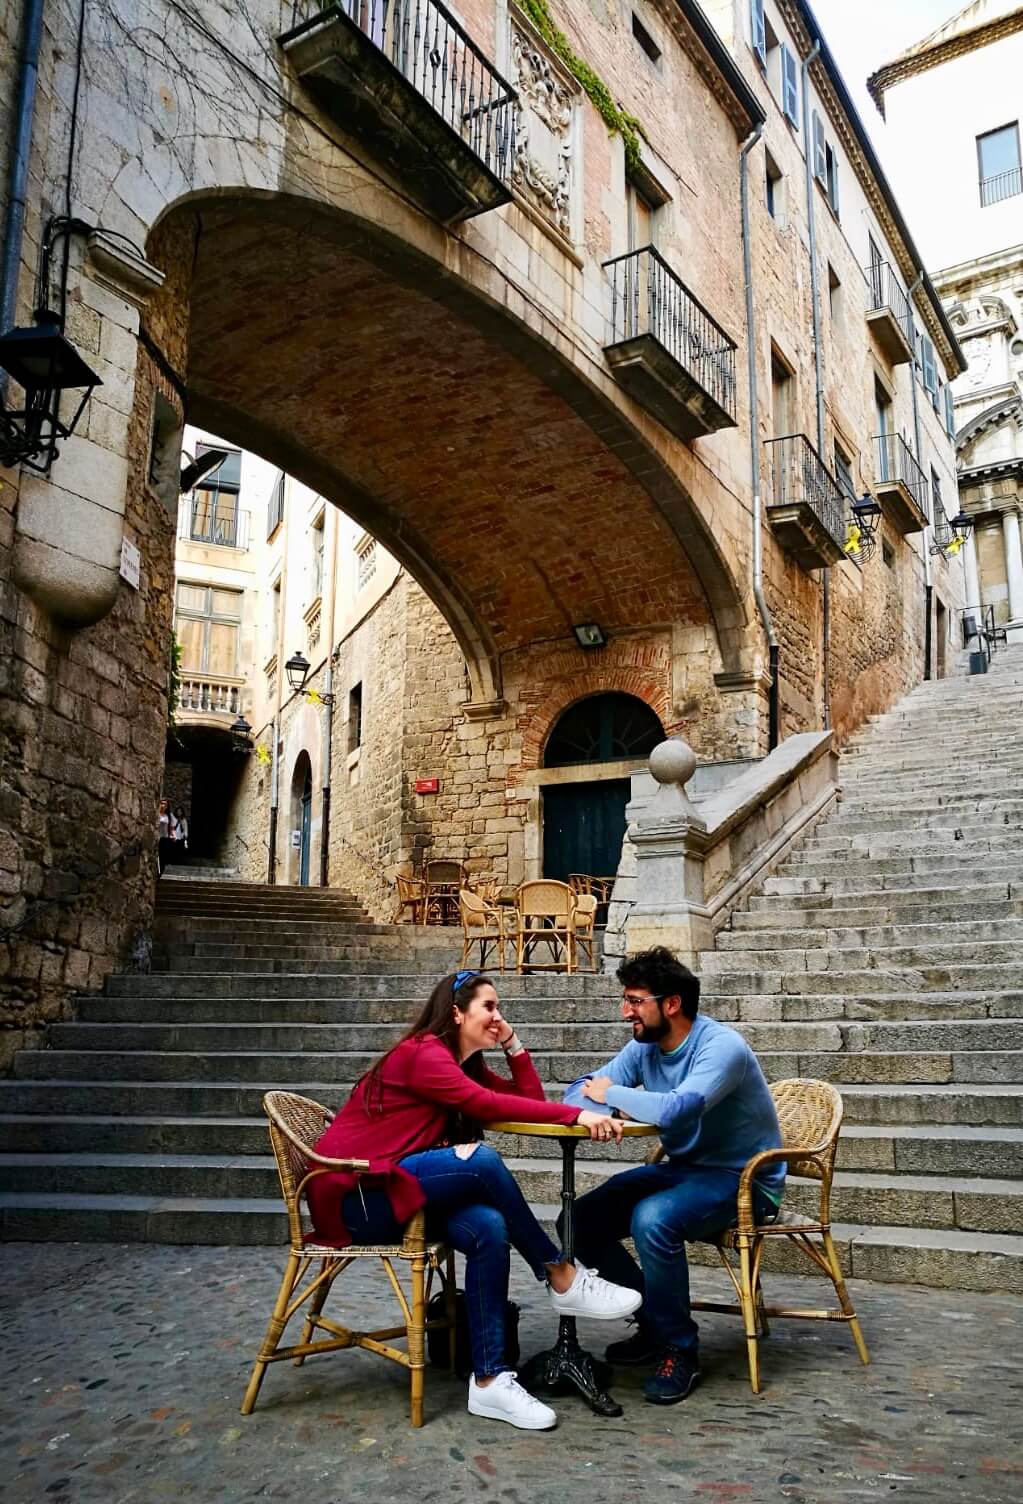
(864, 34)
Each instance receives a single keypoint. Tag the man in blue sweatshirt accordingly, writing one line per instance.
(701, 1084)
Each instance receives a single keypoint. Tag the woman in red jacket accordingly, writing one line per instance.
(416, 1117)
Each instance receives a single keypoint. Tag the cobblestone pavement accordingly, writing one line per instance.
(124, 1369)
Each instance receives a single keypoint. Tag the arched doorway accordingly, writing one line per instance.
(302, 818)
(584, 819)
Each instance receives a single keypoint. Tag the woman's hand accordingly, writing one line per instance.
(601, 1126)
(507, 1032)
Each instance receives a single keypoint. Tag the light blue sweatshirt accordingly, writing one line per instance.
(708, 1097)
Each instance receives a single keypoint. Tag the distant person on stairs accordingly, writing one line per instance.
(701, 1084)
(179, 834)
(164, 835)
(416, 1117)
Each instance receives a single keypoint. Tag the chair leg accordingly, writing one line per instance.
(843, 1296)
(749, 1313)
(316, 1304)
(274, 1331)
(417, 1337)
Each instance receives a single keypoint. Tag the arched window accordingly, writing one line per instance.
(603, 728)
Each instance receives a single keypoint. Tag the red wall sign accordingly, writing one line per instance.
(427, 785)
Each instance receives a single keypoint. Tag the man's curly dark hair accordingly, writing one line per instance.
(661, 972)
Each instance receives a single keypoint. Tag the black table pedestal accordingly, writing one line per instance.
(566, 1365)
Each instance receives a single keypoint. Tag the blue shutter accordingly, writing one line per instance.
(930, 369)
(789, 85)
(758, 31)
(820, 155)
(950, 419)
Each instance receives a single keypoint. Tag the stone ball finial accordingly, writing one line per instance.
(673, 761)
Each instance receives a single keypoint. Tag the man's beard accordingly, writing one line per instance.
(652, 1033)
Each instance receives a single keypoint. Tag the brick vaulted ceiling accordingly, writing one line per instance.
(475, 454)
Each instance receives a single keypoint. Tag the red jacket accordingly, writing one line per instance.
(421, 1084)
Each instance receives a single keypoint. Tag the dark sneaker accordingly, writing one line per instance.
(633, 1351)
(676, 1376)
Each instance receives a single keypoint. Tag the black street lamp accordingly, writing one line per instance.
(241, 733)
(949, 539)
(866, 517)
(45, 364)
(297, 670)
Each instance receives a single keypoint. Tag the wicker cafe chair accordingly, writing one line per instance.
(483, 924)
(443, 879)
(585, 917)
(295, 1125)
(545, 912)
(411, 894)
(810, 1115)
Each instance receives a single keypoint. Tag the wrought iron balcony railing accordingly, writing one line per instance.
(650, 303)
(900, 482)
(340, 48)
(888, 312)
(1003, 185)
(198, 522)
(807, 506)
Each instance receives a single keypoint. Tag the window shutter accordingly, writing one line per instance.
(759, 30)
(950, 420)
(833, 183)
(789, 85)
(820, 155)
(930, 370)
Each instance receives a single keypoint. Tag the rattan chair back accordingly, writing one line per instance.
(810, 1118)
(546, 899)
(440, 869)
(296, 1123)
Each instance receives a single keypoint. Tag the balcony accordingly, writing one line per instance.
(666, 350)
(213, 525)
(900, 484)
(806, 507)
(888, 314)
(404, 79)
(1002, 186)
(208, 697)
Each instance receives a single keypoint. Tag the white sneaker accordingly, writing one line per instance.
(600, 1300)
(505, 1399)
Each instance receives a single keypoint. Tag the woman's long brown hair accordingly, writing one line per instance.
(437, 1018)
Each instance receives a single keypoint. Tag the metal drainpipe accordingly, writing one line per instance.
(754, 442)
(271, 866)
(328, 709)
(918, 444)
(818, 364)
(14, 227)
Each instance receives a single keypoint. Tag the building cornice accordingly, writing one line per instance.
(942, 52)
(964, 276)
(805, 31)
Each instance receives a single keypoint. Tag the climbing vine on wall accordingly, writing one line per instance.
(615, 118)
(174, 683)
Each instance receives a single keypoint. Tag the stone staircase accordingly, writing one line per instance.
(884, 956)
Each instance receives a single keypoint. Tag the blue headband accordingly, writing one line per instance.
(461, 977)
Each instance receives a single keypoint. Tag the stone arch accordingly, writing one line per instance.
(607, 706)
(648, 681)
(1007, 410)
(301, 787)
(245, 246)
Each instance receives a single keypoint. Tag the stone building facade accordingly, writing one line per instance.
(516, 357)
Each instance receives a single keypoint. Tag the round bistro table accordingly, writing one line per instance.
(567, 1364)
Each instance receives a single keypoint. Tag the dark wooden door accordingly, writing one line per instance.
(307, 830)
(583, 826)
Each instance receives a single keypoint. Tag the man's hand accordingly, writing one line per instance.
(596, 1088)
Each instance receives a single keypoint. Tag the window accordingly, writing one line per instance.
(355, 718)
(275, 509)
(215, 499)
(998, 164)
(366, 562)
(206, 621)
(884, 445)
(789, 85)
(887, 553)
(843, 473)
(317, 561)
(775, 190)
(831, 183)
(937, 509)
(929, 370)
(825, 163)
(781, 397)
(834, 293)
(642, 215)
(758, 31)
(644, 39)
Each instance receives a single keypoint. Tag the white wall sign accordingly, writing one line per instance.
(131, 564)
(296, 839)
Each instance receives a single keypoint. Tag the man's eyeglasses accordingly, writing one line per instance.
(637, 1002)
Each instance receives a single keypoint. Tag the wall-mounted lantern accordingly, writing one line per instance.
(45, 364)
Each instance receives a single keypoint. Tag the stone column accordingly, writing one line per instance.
(669, 840)
(972, 576)
(1014, 573)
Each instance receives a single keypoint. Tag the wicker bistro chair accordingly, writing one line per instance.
(295, 1125)
(545, 915)
(585, 917)
(443, 879)
(411, 895)
(810, 1115)
(485, 925)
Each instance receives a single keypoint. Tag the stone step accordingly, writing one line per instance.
(877, 1007)
(390, 984)
(918, 878)
(884, 1062)
(915, 1149)
(913, 977)
(942, 1257)
(888, 838)
(985, 854)
(952, 956)
(602, 1039)
(881, 938)
(1005, 800)
(823, 912)
(849, 870)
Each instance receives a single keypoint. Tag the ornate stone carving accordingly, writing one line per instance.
(544, 158)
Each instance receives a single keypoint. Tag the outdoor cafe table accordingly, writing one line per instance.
(566, 1362)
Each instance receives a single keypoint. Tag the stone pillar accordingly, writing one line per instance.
(1014, 574)
(972, 576)
(669, 843)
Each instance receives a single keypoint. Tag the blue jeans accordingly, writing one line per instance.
(662, 1207)
(476, 1206)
